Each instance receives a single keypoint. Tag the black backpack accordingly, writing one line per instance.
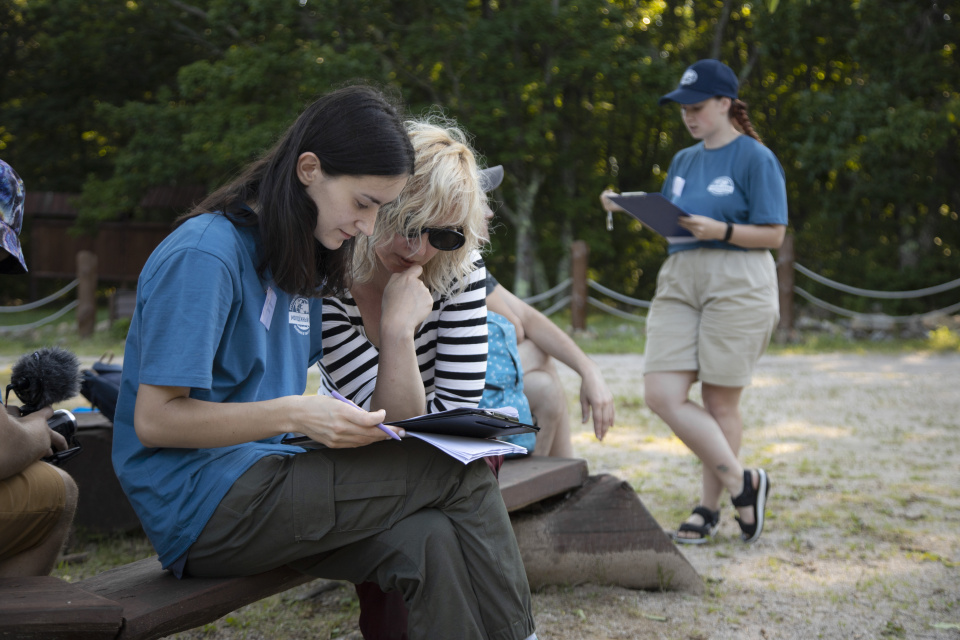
(101, 386)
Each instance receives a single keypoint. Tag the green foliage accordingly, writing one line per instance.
(858, 99)
(860, 104)
(944, 339)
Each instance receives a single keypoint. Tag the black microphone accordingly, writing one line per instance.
(45, 377)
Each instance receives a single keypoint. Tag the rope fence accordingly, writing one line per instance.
(815, 301)
(20, 328)
(39, 303)
(867, 293)
(563, 295)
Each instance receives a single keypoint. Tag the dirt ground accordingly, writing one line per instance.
(862, 524)
(862, 532)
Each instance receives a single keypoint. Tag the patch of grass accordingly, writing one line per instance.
(943, 339)
(798, 522)
(102, 552)
(813, 343)
(294, 614)
(927, 556)
(893, 629)
(62, 332)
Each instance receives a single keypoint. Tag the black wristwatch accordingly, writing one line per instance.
(726, 236)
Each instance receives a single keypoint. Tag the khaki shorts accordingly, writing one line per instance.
(30, 506)
(714, 313)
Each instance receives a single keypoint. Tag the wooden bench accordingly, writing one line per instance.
(141, 601)
(571, 528)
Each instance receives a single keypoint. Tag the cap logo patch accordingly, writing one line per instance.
(689, 77)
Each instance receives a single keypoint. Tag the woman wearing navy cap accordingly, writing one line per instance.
(716, 304)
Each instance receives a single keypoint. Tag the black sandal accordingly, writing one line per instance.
(711, 522)
(756, 498)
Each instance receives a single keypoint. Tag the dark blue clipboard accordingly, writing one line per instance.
(654, 211)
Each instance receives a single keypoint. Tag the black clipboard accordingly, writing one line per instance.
(468, 423)
(657, 213)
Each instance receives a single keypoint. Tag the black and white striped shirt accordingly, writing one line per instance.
(451, 347)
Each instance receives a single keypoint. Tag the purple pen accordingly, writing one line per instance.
(379, 426)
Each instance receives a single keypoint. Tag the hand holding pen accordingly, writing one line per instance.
(381, 426)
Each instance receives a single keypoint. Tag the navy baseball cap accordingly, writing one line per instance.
(11, 219)
(702, 80)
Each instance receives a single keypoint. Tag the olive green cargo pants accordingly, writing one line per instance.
(401, 514)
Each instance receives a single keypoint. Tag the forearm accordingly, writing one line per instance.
(595, 397)
(168, 417)
(399, 387)
(748, 236)
(553, 341)
(757, 236)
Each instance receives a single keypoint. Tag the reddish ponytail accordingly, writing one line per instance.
(741, 120)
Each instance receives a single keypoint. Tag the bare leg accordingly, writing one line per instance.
(716, 445)
(549, 404)
(40, 560)
(548, 401)
(723, 403)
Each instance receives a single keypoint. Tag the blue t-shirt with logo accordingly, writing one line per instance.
(204, 319)
(741, 182)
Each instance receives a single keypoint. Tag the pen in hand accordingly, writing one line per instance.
(379, 426)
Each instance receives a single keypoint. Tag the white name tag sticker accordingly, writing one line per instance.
(678, 183)
(266, 316)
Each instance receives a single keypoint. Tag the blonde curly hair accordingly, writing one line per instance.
(443, 190)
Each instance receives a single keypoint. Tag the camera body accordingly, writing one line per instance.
(64, 423)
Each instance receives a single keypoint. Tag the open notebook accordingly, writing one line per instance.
(465, 434)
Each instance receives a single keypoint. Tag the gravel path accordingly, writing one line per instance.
(864, 458)
(861, 540)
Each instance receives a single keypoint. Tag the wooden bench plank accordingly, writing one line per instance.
(49, 608)
(156, 604)
(601, 524)
(526, 481)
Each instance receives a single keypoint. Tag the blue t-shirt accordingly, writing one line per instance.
(741, 182)
(197, 324)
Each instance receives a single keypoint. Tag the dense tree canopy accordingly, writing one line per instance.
(858, 98)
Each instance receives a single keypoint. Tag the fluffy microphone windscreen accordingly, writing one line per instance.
(45, 377)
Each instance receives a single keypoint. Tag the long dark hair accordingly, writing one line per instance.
(354, 131)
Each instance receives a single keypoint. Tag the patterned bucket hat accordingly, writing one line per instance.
(11, 219)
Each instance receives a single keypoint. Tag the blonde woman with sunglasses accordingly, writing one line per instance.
(410, 335)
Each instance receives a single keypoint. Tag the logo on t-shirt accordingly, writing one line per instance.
(300, 315)
(722, 186)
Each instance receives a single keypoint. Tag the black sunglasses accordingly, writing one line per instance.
(440, 238)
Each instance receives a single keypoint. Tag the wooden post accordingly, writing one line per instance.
(86, 293)
(578, 299)
(785, 258)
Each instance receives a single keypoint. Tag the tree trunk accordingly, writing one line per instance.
(521, 215)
